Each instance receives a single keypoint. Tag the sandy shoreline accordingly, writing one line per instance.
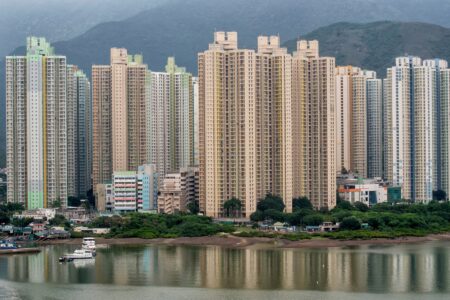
(255, 242)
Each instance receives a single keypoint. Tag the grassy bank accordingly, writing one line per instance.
(344, 234)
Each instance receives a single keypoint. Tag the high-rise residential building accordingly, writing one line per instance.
(245, 125)
(136, 112)
(101, 125)
(314, 127)
(351, 120)
(374, 103)
(119, 115)
(273, 135)
(196, 119)
(344, 93)
(440, 123)
(170, 111)
(119, 109)
(444, 112)
(178, 190)
(79, 130)
(36, 99)
(409, 105)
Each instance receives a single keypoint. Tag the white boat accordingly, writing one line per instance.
(77, 254)
(88, 244)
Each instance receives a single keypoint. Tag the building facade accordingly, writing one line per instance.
(135, 190)
(351, 120)
(147, 188)
(36, 103)
(79, 133)
(119, 115)
(374, 125)
(245, 125)
(178, 190)
(314, 131)
(170, 110)
(125, 191)
(101, 125)
(410, 134)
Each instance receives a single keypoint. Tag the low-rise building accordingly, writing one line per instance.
(104, 200)
(368, 191)
(125, 191)
(37, 214)
(37, 227)
(147, 188)
(177, 190)
(134, 191)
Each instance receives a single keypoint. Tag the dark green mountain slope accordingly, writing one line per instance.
(375, 45)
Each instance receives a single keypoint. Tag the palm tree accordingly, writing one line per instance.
(233, 205)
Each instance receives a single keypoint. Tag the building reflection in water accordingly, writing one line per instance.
(403, 268)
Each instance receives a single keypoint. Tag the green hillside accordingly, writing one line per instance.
(374, 46)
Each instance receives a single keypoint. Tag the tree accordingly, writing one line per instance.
(340, 215)
(274, 215)
(375, 222)
(58, 220)
(297, 217)
(301, 203)
(271, 202)
(11, 208)
(439, 195)
(193, 207)
(313, 220)
(4, 218)
(86, 205)
(234, 206)
(257, 216)
(361, 206)
(350, 223)
(73, 201)
(56, 203)
(342, 204)
(21, 222)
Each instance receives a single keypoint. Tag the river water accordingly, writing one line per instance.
(408, 271)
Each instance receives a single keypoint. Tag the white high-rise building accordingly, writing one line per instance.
(443, 162)
(410, 97)
(374, 103)
(170, 119)
(36, 99)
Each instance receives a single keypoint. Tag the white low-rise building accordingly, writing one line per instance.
(38, 214)
(367, 191)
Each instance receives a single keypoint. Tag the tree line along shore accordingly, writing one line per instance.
(354, 222)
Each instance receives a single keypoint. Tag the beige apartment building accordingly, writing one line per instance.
(178, 190)
(351, 120)
(119, 115)
(245, 123)
(314, 126)
(101, 125)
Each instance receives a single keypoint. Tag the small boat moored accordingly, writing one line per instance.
(77, 254)
(10, 247)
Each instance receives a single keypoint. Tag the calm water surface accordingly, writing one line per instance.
(415, 271)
